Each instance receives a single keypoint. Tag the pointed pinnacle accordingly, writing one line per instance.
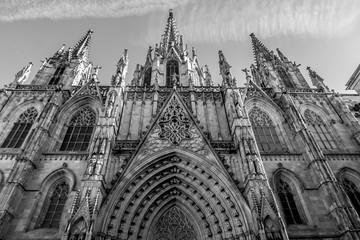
(259, 47)
(83, 45)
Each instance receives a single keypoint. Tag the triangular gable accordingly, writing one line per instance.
(90, 88)
(174, 127)
(173, 54)
(253, 90)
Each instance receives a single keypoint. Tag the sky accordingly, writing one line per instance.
(322, 34)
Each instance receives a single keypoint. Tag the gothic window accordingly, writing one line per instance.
(264, 130)
(319, 130)
(172, 70)
(174, 225)
(147, 77)
(56, 77)
(287, 201)
(20, 129)
(78, 134)
(353, 193)
(56, 206)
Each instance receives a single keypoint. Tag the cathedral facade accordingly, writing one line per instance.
(172, 156)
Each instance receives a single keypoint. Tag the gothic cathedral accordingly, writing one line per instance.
(171, 156)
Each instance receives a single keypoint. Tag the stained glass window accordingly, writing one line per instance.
(264, 130)
(319, 130)
(20, 129)
(56, 206)
(78, 134)
(288, 204)
(172, 71)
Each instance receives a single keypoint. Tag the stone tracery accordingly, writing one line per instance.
(174, 123)
(169, 180)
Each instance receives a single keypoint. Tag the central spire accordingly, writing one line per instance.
(171, 37)
(82, 47)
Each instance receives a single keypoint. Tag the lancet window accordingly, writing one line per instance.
(147, 77)
(288, 203)
(172, 72)
(353, 193)
(56, 205)
(319, 130)
(20, 129)
(264, 130)
(80, 128)
(57, 75)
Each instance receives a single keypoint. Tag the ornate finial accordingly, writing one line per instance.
(96, 72)
(170, 13)
(23, 74)
(246, 71)
(317, 80)
(148, 57)
(282, 56)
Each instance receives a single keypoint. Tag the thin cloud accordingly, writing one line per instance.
(234, 20)
(12, 10)
(204, 20)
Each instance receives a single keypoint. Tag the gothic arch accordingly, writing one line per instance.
(66, 114)
(20, 129)
(297, 189)
(350, 181)
(276, 117)
(181, 214)
(148, 186)
(14, 112)
(350, 173)
(51, 180)
(317, 123)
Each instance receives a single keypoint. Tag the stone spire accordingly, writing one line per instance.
(225, 71)
(282, 56)
(317, 80)
(23, 74)
(171, 37)
(60, 52)
(121, 70)
(148, 60)
(82, 47)
(261, 53)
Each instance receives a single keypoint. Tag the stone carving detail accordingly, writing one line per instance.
(355, 110)
(312, 118)
(174, 123)
(174, 225)
(29, 116)
(259, 118)
(86, 117)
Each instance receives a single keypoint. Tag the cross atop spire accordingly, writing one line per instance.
(261, 53)
(82, 47)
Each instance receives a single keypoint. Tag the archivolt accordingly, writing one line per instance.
(169, 179)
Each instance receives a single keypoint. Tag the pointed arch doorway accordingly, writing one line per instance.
(173, 223)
